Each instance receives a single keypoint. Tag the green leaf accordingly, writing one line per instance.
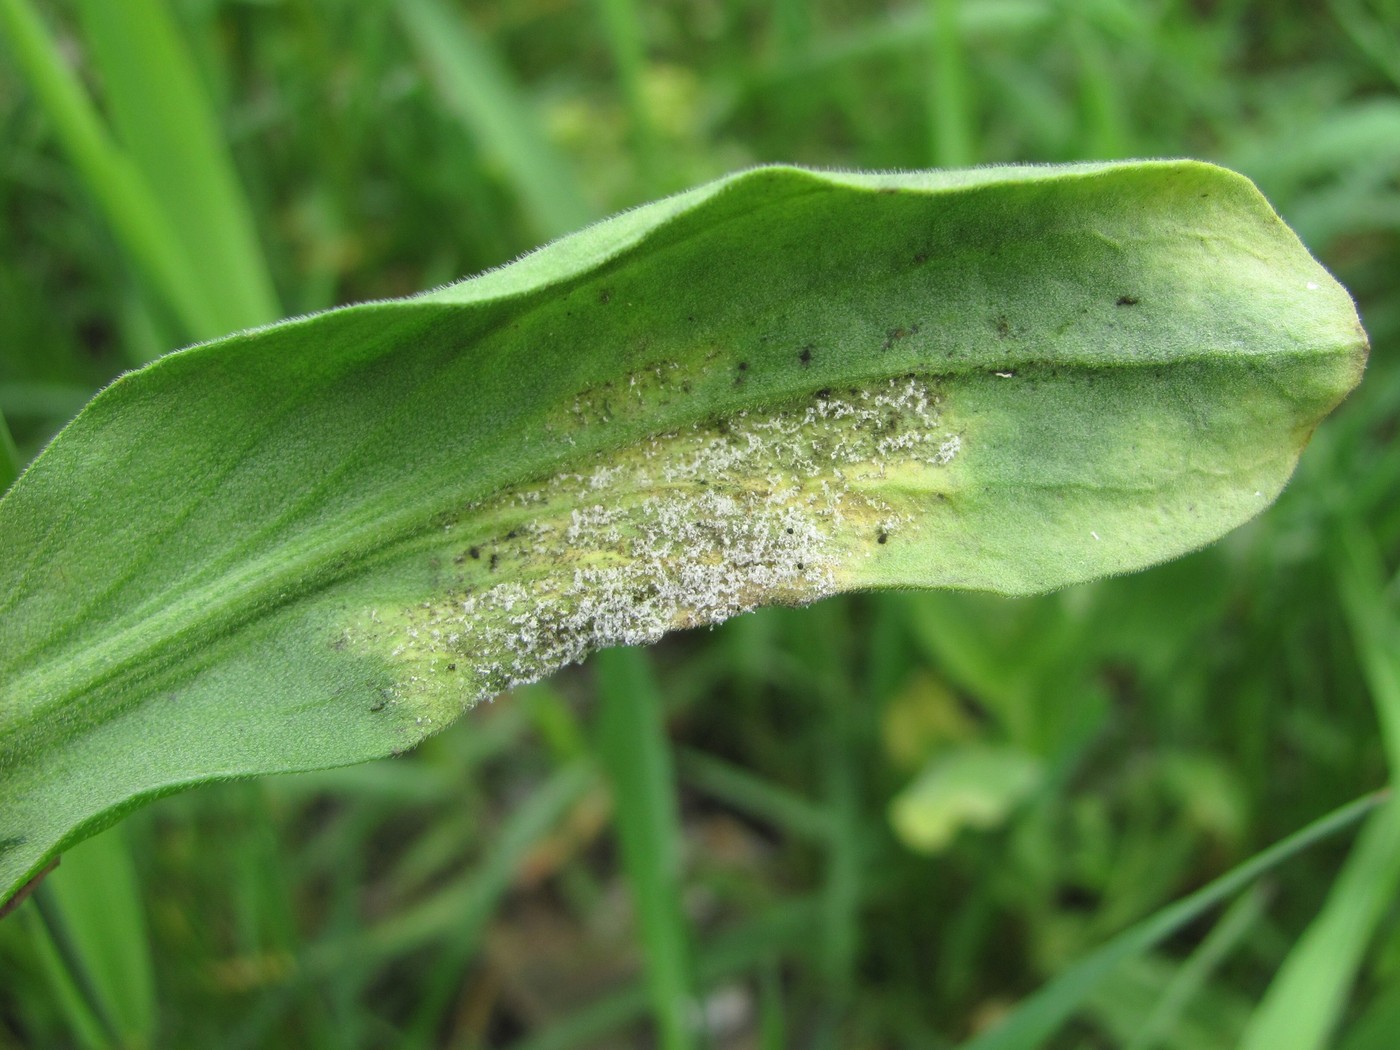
(973, 786)
(318, 542)
(115, 180)
(162, 117)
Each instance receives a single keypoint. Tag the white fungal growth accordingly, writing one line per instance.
(687, 528)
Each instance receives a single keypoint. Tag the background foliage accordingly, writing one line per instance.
(875, 822)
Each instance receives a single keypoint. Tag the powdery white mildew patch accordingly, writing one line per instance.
(688, 528)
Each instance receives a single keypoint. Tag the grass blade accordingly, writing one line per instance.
(480, 895)
(458, 912)
(93, 907)
(755, 796)
(1196, 971)
(1375, 630)
(1305, 1002)
(1041, 1015)
(637, 756)
(1376, 36)
(64, 975)
(1375, 1029)
(781, 928)
(1105, 133)
(622, 23)
(845, 875)
(475, 85)
(110, 176)
(163, 118)
(950, 99)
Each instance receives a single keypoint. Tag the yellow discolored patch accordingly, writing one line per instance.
(685, 529)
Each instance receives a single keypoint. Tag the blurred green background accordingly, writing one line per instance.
(878, 822)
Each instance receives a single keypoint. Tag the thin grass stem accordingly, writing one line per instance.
(636, 753)
(950, 100)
